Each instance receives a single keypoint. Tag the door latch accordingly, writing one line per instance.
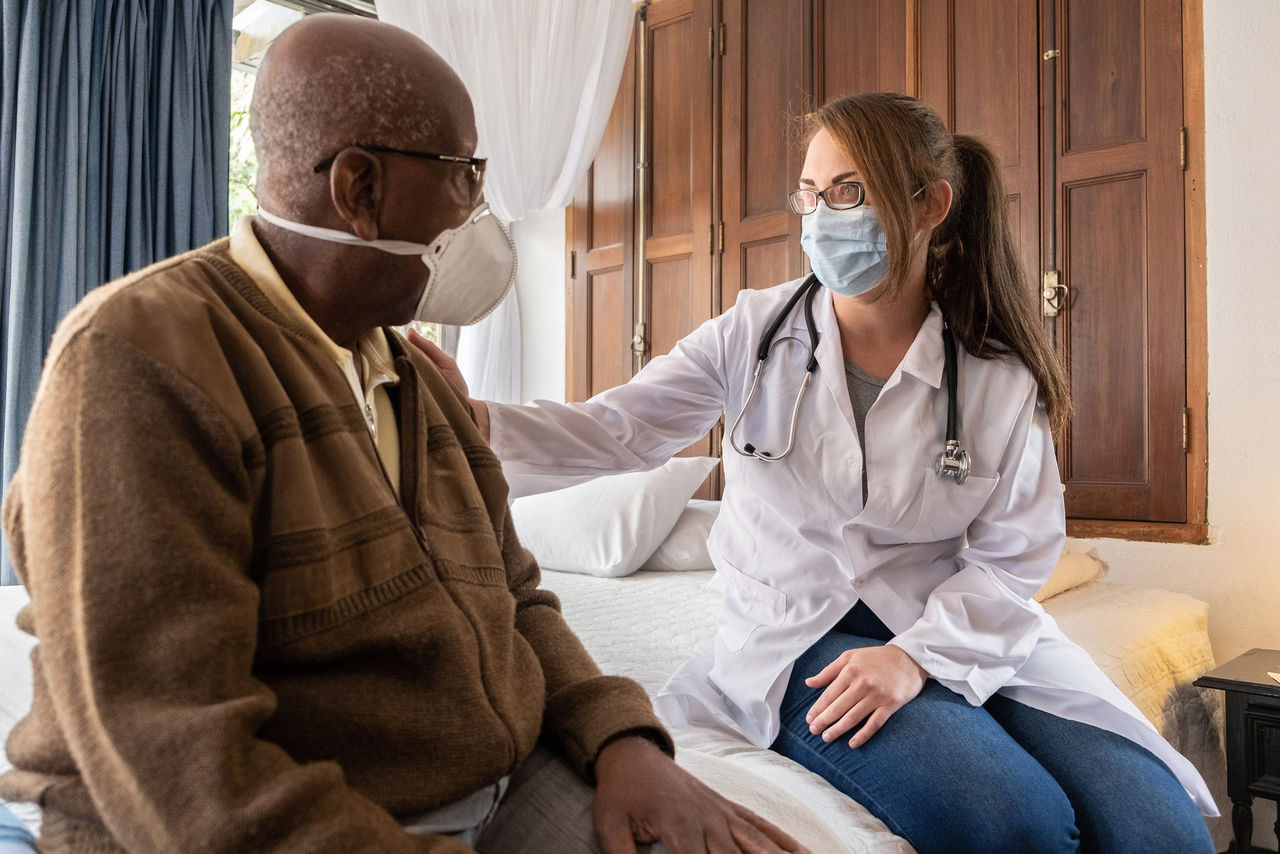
(1053, 294)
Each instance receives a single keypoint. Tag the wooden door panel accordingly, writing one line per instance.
(601, 234)
(859, 46)
(764, 97)
(765, 262)
(1120, 223)
(673, 101)
(610, 351)
(676, 276)
(1103, 78)
(1105, 219)
(979, 68)
(673, 309)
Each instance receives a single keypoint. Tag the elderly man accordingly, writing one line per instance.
(279, 600)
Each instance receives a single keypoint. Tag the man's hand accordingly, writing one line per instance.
(868, 684)
(643, 796)
(449, 368)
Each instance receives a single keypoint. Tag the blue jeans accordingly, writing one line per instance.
(14, 836)
(954, 778)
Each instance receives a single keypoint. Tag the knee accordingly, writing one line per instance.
(1032, 828)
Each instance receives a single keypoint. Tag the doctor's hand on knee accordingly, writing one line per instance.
(867, 684)
(449, 368)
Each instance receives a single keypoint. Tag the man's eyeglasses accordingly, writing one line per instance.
(475, 165)
(839, 197)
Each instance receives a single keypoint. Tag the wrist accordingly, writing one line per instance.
(622, 749)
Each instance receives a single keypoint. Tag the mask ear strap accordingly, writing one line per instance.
(394, 247)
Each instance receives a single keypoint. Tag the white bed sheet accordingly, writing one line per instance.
(1153, 643)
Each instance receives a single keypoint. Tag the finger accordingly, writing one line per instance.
(770, 831)
(721, 838)
(613, 835)
(434, 353)
(856, 714)
(826, 674)
(833, 711)
(871, 727)
(834, 691)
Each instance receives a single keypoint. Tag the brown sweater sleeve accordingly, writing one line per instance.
(584, 708)
(135, 531)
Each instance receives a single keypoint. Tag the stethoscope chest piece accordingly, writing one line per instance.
(953, 462)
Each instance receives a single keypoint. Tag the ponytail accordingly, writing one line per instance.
(976, 277)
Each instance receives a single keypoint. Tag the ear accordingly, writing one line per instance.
(356, 190)
(936, 204)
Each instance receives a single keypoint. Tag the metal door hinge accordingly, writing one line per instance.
(638, 340)
(1052, 294)
(722, 31)
(1186, 430)
(720, 237)
(573, 265)
(1182, 150)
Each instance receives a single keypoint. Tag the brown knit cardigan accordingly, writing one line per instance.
(246, 641)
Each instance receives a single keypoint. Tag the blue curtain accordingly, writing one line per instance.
(114, 118)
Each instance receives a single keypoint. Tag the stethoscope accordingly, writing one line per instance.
(953, 462)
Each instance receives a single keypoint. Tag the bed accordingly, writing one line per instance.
(1153, 643)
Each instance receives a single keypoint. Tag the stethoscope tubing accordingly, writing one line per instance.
(953, 462)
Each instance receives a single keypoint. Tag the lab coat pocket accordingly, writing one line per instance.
(947, 507)
(748, 604)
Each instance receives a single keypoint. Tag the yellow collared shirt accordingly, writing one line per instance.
(377, 366)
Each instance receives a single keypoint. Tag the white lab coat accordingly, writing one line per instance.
(795, 544)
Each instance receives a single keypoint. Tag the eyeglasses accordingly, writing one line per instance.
(474, 172)
(839, 197)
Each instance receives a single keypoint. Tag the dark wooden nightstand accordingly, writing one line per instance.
(1253, 735)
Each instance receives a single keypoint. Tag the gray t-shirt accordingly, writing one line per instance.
(863, 391)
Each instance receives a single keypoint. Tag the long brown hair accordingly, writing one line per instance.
(973, 270)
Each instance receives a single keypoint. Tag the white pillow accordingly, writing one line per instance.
(608, 526)
(1078, 565)
(685, 548)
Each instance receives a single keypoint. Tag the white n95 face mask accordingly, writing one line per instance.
(472, 266)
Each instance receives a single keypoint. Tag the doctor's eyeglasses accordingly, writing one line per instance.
(474, 171)
(839, 197)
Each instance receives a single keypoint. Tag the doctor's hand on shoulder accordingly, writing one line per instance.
(867, 684)
(449, 368)
(643, 796)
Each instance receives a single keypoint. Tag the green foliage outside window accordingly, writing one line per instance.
(242, 198)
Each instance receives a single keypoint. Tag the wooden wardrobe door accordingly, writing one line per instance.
(859, 46)
(676, 265)
(764, 99)
(1120, 229)
(676, 167)
(979, 68)
(602, 247)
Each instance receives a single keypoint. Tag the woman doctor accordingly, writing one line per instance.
(878, 625)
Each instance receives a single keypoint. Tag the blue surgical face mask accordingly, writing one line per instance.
(847, 249)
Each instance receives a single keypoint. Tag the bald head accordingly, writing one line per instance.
(331, 81)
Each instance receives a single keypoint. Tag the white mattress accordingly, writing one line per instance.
(1153, 643)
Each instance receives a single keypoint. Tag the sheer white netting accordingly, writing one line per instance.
(542, 75)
